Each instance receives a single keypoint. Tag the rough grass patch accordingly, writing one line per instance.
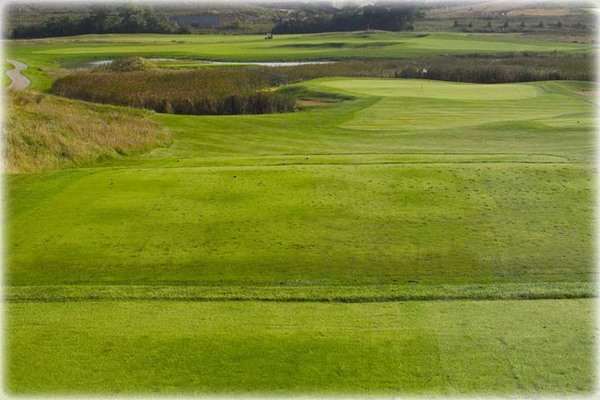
(44, 132)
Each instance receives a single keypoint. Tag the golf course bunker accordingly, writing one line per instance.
(433, 89)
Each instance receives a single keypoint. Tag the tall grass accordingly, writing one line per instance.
(44, 132)
(201, 91)
(474, 68)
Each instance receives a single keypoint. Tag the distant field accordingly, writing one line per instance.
(496, 8)
(542, 12)
(49, 54)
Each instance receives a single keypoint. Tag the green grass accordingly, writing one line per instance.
(6, 66)
(429, 223)
(451, 105)
(454, 192)
(46, 55)
(536, 347)
(461, 201)
(417, 88)
(302, 293)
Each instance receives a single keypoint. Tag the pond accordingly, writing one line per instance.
(98, 63)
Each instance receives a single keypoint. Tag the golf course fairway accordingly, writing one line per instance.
(300, 253)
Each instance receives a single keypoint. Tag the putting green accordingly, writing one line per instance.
(433, 89)
(409, 104)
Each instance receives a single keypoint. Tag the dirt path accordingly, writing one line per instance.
(19, 82)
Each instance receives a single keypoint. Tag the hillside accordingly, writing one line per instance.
(45, 132)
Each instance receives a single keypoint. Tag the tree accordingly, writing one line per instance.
(125, 19)
(389, 16)
(97, 20)
(156, 23)
(133, 20)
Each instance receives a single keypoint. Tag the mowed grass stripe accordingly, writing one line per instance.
(538, 347)
(446, 159)
(315, 293)
(343, 225)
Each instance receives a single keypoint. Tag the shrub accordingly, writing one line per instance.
(130, 64)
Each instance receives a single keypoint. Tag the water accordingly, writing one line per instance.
(107, 62)
(269, 64)
(99, 63)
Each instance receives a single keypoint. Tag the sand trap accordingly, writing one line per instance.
(312, 102)
(589, 92)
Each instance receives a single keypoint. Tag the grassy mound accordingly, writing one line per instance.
(44, 133)
(134, 63)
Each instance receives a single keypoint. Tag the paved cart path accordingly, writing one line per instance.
(19, 82)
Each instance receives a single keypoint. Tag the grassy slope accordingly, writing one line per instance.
(337, 209)
(46, 133)
(44, 56)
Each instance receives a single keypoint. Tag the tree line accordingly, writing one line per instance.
(134, 18)
(380, 16)
(123, 19)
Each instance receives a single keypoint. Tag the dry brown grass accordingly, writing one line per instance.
(200, 91)
(542, 12)
(497, 8)
(44, 132)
